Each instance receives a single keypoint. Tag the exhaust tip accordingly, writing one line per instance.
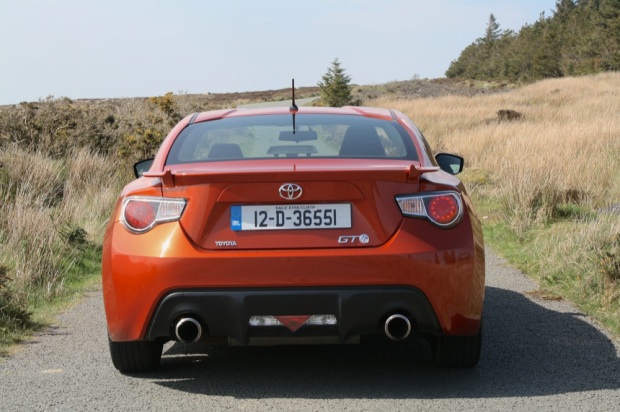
(188, 330)
(397, 327)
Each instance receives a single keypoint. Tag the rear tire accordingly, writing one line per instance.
(458, 351)
(137, 356)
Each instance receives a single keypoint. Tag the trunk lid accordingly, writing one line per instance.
(246, 205)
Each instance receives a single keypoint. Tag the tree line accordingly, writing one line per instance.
(581, 37)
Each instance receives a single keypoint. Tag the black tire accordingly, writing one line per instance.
(138, 356)
(458, 351)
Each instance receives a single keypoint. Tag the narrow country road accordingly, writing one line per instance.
(537, 355)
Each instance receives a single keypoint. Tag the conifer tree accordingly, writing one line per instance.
(493, 32)
(335, 89)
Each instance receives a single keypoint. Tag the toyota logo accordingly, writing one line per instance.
(290, 191)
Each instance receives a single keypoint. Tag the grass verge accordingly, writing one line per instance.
(17, 324)
(583, 267)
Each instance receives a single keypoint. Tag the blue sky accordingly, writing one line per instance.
(137, 48)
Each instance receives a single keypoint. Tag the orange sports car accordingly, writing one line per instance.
(301, 225)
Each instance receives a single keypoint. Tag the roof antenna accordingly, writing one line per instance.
(293, 109)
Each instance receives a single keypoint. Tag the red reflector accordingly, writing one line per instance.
(293, 322)
(443, 209)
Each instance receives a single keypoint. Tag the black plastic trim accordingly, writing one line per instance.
(359, 311)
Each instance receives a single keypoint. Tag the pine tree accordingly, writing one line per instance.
(493, 32)
(335, 89)
(607, 29)
(564, 9)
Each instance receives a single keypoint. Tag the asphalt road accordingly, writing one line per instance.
(537, 355)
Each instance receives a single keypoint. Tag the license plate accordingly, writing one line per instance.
(289, 217)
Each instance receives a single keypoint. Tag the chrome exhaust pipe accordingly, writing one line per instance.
(397, 327)
(188, 330)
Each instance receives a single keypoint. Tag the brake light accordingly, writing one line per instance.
(140, 214)
(444, 209)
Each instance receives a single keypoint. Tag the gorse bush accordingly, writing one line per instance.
(53, 126)
(167, 105)
(111, 127)
(141, 144)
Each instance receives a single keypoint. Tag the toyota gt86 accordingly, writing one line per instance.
(301, 225)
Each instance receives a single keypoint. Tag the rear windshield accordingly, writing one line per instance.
(272, 136)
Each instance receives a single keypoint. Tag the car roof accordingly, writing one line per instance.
(372, 112)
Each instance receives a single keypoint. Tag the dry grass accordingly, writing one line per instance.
(564, 149)
(92, 185)
(50, 210)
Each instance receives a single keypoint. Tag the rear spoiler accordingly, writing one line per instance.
(404, 173)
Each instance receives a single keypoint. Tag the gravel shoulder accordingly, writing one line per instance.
(537, 354)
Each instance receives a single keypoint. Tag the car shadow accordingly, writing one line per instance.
(528, 351)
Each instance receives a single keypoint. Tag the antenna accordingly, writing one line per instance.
(293, 109)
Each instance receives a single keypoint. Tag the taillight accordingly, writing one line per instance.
(444, 209)
(140, 214)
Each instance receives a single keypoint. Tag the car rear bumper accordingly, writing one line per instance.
(146, 284)
(358, 311)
